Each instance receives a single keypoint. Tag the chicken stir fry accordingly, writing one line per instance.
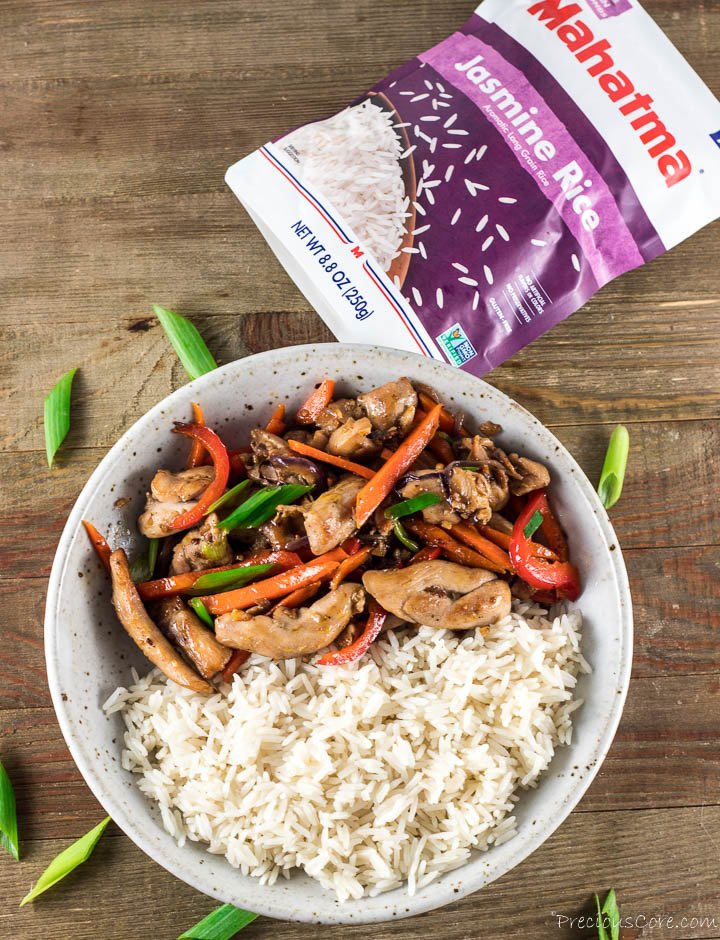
(353, 516)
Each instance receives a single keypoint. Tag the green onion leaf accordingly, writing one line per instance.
(402, 536)
(143, 567)
(415, 504)
(229, 497)
(202, 612)
(187, 342)
(533, 524)
(612, 912)
(57, 415)
(261, 506)
(613, 471)
(8, 816)
(67, 861)
(226, 580)
(221, 924)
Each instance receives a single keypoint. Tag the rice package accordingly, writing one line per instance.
(486, 189)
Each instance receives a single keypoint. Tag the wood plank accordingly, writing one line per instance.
(590, 852)
(666, 754)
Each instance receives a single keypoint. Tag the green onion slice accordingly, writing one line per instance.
(187, 342)
(202, 612)
(226, 580)
(8, 816)
(57, 415)
(608, 916)
(67, 861)
(228, 497)
(221, 924)
(261, 506)
(402, 536)
(533, 524)
(613, 471)
(143, 567)
(415, 504)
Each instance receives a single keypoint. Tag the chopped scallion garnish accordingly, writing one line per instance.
(232, 578)
(608, 917)
(221, 924)
(229, 497)
(8, 816)
(261, 506)
(143, 566)
(187, 342)
(613, 471)
(202, 612)
(402, 536)
(415, 504)
(533, 524)
(57, 415)
(67, 861)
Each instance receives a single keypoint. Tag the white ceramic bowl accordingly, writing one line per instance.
(88, 654)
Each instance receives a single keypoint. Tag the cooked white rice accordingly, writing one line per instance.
(366, 776)
(353, 159)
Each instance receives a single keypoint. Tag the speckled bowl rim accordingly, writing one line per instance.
(394, 905)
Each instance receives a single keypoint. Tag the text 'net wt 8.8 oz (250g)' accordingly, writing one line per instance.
(487, 188)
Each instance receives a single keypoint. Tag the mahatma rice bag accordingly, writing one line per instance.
(486, 189)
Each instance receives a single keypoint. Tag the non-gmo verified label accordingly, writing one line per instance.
(458, 347)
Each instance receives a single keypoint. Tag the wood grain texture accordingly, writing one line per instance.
(119, 119)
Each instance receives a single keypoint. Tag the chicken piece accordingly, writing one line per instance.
(191, 636)
(167, 487)
(170, 495)
(330, 519)
(431, 481)
(478, 493)
(264, 444)
(291, 632)
(337, 413)
(352, 439)
(285, 527)
(136, 621)
(391, 408)
(441, 594)
(533, 475)
(205, 546)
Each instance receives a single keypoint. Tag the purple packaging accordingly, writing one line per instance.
(487, 188)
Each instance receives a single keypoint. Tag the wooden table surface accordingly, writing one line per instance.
(119, 118)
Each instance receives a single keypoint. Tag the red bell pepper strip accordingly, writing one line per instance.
(530, 559)
(321, 568)
(99, 543)
(317, 401)
(221, 462)
(375, 490)
(428, 553)
(197, 450)
(182, 583)
(376, 619)
(238, 658)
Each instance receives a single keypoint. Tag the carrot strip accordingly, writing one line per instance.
(99, 543)
(180, 583)
(298, 598)
(307, 451)
(238, 658)
(436, 536)
(468, 535)
(494, 535)
(276, 424)
(197, 451)
(375, 490)
(350, 564)
(437, 445)
(318, 399)
(320, 569)
(447, 422)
